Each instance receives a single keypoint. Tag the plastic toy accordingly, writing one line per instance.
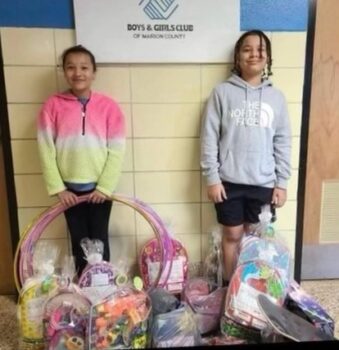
(248, 281)
(305, 306)
(65, 318)
(120, 321)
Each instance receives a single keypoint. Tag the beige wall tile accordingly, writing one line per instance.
(25, 157)
(295, 152)
(168, 187)
(208, 218)
(126, 184)
(55, 229)
(123, 250)
(166, 154)
(64, 38)
(177, 218)
(29, 84)
(286, 216)
(128, 157)
(292, 189)
(31, 192)
(166, 120)
(166, 84)
(126, 110)
(288, 49)
(192, 244)
(295, 112)
(22, 120)
(115, 82)
(122, 220)
(28, 46)
(212, 75)
(290, 82)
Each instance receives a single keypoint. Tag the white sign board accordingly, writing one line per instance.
(150, 31)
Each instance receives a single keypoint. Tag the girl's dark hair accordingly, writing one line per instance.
(267, 71)
(78, 49)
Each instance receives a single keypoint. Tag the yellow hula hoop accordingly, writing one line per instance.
(24, 251)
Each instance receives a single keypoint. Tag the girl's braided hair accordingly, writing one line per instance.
(267, 71)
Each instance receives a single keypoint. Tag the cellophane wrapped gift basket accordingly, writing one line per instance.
(34, 293)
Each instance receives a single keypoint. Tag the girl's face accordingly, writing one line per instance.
(79, 73)
(252, 57)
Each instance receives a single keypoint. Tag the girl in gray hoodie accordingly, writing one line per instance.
(245, 144)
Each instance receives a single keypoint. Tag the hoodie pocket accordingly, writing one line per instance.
(248, 167)
(267, 164)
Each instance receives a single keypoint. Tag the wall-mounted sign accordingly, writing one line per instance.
(150, 31)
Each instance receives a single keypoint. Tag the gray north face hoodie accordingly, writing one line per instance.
(245, 135)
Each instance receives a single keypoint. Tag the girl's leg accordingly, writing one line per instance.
(76, 218)
(230, 246)
(99, 220)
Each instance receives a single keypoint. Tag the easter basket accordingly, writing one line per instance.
(65, 318)
(120, 321)
(25, 250)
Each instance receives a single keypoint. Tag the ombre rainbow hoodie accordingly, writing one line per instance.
(81, 144)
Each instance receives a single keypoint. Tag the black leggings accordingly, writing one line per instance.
(88, 220)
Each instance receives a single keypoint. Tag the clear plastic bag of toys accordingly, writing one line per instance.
(99, 278)
(213, 264)
(266, 245)
(206, 300)
(263, 267)
(35, 292)
(177, 328)
(120, 321)
(66, 312)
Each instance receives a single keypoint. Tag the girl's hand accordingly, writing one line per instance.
(67, 198)
(216, 193)
(97, 197)
(279, 197)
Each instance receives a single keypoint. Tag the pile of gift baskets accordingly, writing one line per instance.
(162, 306)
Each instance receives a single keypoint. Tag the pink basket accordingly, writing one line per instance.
(206, 301)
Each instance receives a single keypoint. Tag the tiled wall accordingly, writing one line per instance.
(163, 106)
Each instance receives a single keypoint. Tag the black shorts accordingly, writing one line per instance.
(243, 204)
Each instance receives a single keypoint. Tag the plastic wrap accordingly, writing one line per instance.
(176, 269)
(175, 329)
(99, 278)
(65, 318)
(35, 292)
(206, 300)
(305, 306)
(120, 321)
(263, 267)
(213, 263)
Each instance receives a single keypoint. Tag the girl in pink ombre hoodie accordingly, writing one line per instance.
(81, 139)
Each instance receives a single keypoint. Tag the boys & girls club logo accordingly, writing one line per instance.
(159, 9)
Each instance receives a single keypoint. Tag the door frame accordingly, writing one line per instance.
(306, 103)
(5, 141)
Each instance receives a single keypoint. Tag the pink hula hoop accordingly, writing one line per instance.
(23, 268)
